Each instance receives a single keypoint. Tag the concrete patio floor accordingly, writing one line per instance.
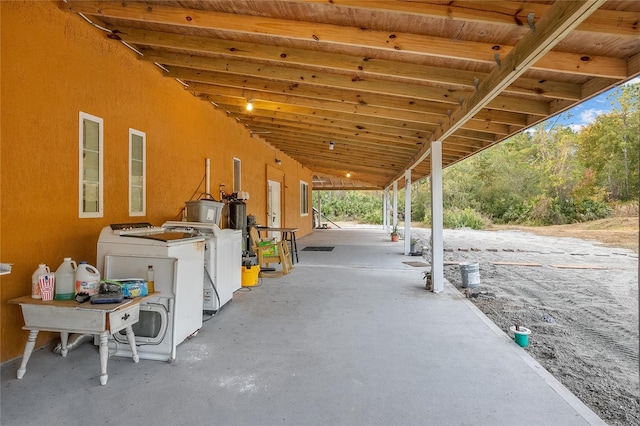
(350, 337)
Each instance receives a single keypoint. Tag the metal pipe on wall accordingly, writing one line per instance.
(207, 174)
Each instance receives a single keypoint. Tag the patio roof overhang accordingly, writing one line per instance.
(381, 80)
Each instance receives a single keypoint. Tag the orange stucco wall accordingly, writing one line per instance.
(54, 65)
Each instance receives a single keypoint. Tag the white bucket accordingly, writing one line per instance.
(87, 279)
(470, 274)
(65, 280)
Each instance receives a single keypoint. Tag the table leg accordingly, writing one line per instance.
(104, 355)
(290, 237)
(28, 349)
(64, 339)
(132, 343)
(294, 247)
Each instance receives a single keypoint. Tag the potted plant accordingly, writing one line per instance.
(413, 243)
(395, 233)
(427, 278)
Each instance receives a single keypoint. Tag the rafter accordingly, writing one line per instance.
(336, 34)
(233, 50)
(382, 79)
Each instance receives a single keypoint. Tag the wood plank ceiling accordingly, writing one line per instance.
(381, 79)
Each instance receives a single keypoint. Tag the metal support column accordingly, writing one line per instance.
(437, 244)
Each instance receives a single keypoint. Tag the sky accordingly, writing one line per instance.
(584, 114)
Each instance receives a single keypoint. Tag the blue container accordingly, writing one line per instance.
(521, 336)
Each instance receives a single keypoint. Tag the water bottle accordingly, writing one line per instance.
(65, 280)
(87, 279)
(35, 283)
(150, 280)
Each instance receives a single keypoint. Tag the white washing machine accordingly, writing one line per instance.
(222, 260)
(166, 320)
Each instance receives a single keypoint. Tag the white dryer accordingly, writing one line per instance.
(222, 260)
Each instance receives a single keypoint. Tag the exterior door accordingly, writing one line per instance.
(273, 207)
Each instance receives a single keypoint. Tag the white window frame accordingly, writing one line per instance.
(237, 186)
(143, 135)
(81, 210)
(304, 198)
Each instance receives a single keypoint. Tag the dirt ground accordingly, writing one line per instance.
(619, 232)
(578, 297)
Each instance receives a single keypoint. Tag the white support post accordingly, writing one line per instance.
(407, 212)
(437, 245)
(395, 203)
(384, 209)
(319, 224)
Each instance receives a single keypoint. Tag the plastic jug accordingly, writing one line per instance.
(65, 280)
(150, 279)
(87, 279)
(35, 284)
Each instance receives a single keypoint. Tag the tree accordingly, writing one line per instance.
(609, 147)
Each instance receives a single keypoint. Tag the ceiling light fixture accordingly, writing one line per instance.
(331, 145)
(348, 174)
(250, 105)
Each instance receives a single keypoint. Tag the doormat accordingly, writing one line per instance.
(318, 248)
(416, 264)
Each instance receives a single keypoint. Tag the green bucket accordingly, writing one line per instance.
(521, 336)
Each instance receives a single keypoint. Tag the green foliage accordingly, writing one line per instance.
(465, 218)
(351, 205)
(609, 147)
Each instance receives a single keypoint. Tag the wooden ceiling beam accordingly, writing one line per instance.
(370, 141)
(267, 118)
(328, 34)
(429, 119)
(252, 89)
(501, 103)
(350, 160)
(355, 98)
(507, 13)
(376, 67)
(410, 141)
(317, 164)
(382, 125)
(360, 115)
(473, 135)
(296, 105)
(562, 17)
(313, 77)
(340, 173)
(240, 112)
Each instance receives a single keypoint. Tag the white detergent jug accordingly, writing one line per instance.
(35, 283)
(65, 280)
(87, 279)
